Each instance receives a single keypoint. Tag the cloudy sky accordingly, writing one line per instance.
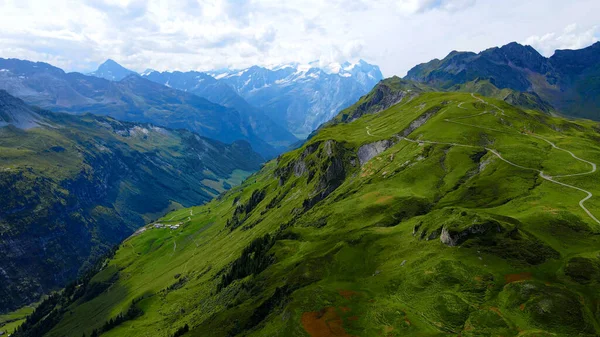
(212, 34)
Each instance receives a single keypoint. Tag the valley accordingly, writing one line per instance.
(74, 186)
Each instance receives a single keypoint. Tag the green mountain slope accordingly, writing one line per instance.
(525, 100)
(74, 186)
(446, 214)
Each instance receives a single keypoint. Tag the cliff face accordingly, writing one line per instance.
(79, 185)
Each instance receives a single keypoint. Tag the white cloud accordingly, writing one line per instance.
(208, 34)
(572, 37)
(419, 6)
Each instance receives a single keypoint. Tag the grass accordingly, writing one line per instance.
(367, 259)
(10, 321)
(73, 190)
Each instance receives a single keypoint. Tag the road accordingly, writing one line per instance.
(497, 154)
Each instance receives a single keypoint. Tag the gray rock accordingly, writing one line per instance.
(452, 238)
(368, 151)
(300, 168)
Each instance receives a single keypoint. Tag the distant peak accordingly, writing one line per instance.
(110, 63)
(148, 72)
(111, 70)
(513, 44)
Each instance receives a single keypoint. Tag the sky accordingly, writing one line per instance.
(213, 34)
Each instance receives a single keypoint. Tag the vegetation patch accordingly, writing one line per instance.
(254, 259)
(582, 270)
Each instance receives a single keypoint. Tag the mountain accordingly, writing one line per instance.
(567, 81)
(74, 186)
(302, 97)
(418, 214)
(14, 112)
(131, 99)
(112, 71)
(206, 86)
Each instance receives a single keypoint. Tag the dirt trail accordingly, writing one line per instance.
(497, 154)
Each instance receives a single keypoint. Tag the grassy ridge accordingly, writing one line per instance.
(424, 239)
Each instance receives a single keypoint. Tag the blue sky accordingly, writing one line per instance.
(211, 34)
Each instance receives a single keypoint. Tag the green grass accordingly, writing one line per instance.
(368, 258)
(10, 321)
(73, 190)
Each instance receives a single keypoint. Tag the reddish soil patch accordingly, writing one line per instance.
(522, 307)
(496, 310)
(348, 294)
(383, 200)
(324, 323)
(345, 309)
(353, 318)
(510, 278)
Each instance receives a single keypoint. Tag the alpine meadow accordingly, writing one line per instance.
(221, 180)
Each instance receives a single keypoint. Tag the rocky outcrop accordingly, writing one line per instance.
(453, 238)
(300, 168)
(369, 151)
(382, 97)
(333, 159)
(297, 167)
(417, 123)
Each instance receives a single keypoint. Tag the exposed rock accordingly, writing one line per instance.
(383, 97)
(300, 168)
(297, 167)
(417, 123)
(368, 151)
(454, 238)
(433, 235)
(332, 177)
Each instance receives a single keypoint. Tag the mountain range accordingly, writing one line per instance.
(567, 81)
(296, 97)
(413, 213)
(74, 186)
(133, 99)
(302, 97)
(458, 200)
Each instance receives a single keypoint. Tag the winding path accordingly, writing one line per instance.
(497, 154)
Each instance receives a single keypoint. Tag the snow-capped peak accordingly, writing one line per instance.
(148, 72)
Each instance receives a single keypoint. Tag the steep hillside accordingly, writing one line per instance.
(386, 94)
(74, 186)
(131, 99)
(447, 213)
(206, 86)
(302, 97)
(568, 80)
(525, 100)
